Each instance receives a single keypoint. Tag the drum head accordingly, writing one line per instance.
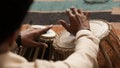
(48, 35)
(99, 28)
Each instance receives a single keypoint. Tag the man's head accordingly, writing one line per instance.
(12, 14)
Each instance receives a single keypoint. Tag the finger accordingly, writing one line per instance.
(45, 30)
(71, 17)
(87, 15)
(69, 13)
(79, 11)
(82, 13)
(64, 24)
(74, 11)
(78, 16)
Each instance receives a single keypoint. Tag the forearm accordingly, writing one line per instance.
(85, 55)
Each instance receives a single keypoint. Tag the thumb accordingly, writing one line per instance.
(64, 24)
(45, 30)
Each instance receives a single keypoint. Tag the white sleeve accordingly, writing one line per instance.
(85, 55)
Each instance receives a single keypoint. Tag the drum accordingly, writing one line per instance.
(39, 52)
(109, 53)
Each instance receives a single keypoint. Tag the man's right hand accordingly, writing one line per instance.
(78, 21)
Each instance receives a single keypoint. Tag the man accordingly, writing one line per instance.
(85, 53)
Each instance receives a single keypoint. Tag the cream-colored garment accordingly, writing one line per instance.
(87, 46)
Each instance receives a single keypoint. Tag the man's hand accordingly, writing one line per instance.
(30, 35)
(78, 21)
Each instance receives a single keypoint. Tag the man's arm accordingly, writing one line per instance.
(85, 55)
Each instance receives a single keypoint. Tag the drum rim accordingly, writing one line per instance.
(109, 27)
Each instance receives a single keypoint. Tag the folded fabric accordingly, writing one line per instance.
(95, 1)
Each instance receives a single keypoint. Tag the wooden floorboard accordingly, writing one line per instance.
(116, 11)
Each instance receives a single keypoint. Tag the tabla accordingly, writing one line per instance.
(39, 52)
(109, 54)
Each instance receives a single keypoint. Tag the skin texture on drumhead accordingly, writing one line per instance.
(49, 34)
(65, 40)
(99, 28)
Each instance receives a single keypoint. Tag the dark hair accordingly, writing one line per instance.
(12, 14)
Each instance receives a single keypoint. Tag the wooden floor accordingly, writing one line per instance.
(116, 11)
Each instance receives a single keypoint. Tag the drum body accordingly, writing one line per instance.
(33, 53)
(108, 56)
